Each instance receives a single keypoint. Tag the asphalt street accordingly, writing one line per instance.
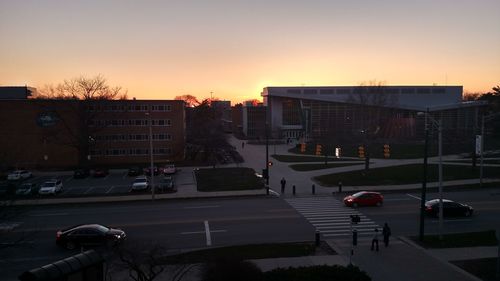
(175, 224)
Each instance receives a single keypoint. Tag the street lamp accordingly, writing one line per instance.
(439, 126)
(151, 156)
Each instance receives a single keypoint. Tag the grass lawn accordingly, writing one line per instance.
(225, 179)
(306, 158)
(311, 167)
(483, 268)
(459, 240)
(258, 251)
(406, 174)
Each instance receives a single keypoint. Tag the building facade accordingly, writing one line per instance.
(384, 112)
(69, 133)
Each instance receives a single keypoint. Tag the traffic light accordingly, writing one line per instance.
(361, 151)
(387, 151)
(318, 149)
(302, 147)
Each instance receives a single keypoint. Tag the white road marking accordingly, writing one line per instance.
(109, 190)
(209, 237)
(88, 190)
(461, 220)
(50, 214)
(203, 232)
(202, 207)
(413, 196)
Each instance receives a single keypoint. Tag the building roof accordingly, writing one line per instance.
(16, 92)
(419, 98)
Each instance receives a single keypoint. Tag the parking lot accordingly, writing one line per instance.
(117, 182)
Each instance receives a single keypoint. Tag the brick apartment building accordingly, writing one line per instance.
(69, 133)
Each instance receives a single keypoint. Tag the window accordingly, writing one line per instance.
(293, 91)
(438, 90)
(310, 91)
(423, 91)
(407, 91)
(326, 91)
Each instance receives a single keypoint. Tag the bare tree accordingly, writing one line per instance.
(84, 97)
(143, 261)
(191, 101)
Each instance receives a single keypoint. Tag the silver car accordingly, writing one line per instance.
(51, 187)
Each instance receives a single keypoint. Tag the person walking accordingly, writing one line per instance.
(375, 240)
(283, 184)
(242, 144)
(386, 232)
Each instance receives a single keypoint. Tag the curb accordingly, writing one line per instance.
(444, 262)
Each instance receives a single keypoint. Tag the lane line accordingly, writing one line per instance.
(413, 196)
(88, 190)
(50, 214)
(202, 232)
(460, 220)
(109, 190)
(209, 237)
(202, 207)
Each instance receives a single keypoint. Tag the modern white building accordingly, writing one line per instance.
(387, 112)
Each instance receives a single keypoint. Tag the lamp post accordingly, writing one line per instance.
(438, 124)
(151, 156)
(267, 155)
(424, 183)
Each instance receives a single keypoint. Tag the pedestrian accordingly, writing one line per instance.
(375, 240)
(340, 186)
(386, 232)
(243, 144)
(283, 183)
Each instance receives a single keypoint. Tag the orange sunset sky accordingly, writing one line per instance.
(162, 49)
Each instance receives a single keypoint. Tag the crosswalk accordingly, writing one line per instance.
(331, 217)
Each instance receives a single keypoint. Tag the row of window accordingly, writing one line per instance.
(128, 122)
(132, 137)
(387, 90)
(130, 152)
(125, 108)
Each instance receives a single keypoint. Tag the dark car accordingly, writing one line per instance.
(89, 235)
(81, 173)
(134, 171)
(364, 198)
(166, 183)
(147, 171)
(100, 172)
(450, 208)
(27, 188)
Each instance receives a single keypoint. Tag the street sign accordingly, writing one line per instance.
(478, 144)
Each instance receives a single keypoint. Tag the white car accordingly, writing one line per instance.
(169, 169)
(19, 175)
(51, 187)
(140, 183)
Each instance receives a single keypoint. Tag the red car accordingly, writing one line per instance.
(364, 198)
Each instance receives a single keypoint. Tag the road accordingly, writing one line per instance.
(175, 224)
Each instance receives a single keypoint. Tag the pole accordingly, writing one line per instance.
(424, 182)
(267, 155)
(151, 158)
(440, 140)
(481, 161)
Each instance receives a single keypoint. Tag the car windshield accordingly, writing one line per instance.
(358, 194)
(102, 228)
(140, 180)
(48, 184)
(25, 186)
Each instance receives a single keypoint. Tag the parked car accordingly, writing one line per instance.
(27, 188)
(147, 171)
(166, 183)
(364, 198)
(450, 208)
(19, 175)
(100, 172)
(140, 183)
(169, 169)
(89, 235)
(134, 171)
(51, 187)
(81, 173)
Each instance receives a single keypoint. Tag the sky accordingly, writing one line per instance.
(232, 49)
